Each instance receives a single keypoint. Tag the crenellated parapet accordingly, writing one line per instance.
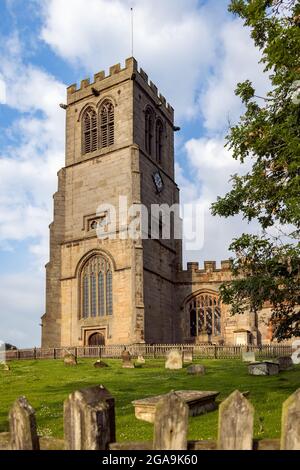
(210, 272)
(117, 74)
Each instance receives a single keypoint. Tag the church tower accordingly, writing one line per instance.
(113, 290)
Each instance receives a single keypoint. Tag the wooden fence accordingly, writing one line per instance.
(89, 424)
(156, 351)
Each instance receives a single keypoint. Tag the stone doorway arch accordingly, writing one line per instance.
(96, 339)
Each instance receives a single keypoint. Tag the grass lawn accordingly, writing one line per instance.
(47, 383)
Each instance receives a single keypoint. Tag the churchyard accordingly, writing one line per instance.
(47, 383)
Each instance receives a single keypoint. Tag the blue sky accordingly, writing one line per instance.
(195, 52)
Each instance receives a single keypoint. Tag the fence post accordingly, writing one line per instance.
(235, 430)
(290, 423)
(54, 353)
(215, 352)
(22, 426)
(171, 423)
(34, 353)
(89, 419)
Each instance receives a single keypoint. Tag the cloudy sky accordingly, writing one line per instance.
(193, 50)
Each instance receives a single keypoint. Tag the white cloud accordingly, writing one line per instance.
(238, 61)
(21, 306)
(174, 40)
(28, 169)
(2, 90)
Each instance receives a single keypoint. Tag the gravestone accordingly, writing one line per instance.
(187, 356)
(100, 364)
(126, 360)
(285, 363)
(263, 368)
(198, 402)
(196, 369)
(22, 426)
(89, 419)
(70, 360)
(248, 356)
(174, 360)
(140, 360)
(296, 356)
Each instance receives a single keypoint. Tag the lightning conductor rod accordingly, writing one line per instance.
(132, 26)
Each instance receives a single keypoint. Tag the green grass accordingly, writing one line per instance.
(46, 384)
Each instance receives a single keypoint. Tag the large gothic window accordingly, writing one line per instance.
(96, 288)
(107, 124)
(148, 130)
(204, 312)
(90, 131)
(159, 140)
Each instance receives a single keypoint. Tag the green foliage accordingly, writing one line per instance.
(268, 135)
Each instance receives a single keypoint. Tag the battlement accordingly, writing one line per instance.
(209, 267)
(131, 67)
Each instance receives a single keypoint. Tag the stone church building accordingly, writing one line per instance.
(120, 142)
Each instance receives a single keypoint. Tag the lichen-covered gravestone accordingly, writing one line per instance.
(174, 360)
(296, 353)
(70, 360)
(263, 368)
(126, 360)
(196, 369)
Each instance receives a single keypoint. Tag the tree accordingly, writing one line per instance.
(266, 266)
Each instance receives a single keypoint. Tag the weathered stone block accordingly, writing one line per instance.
(174, 360)
(199, 402)
(285, 363)
(100, 364)
(70, 360)
(187, 356)
(248, 356)
(263, 368)
(196, 369)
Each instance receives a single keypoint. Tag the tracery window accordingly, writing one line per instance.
(148, 130)
(96, 288)
(107, 124)
(159, 140)
(90, 131)
(204, 314)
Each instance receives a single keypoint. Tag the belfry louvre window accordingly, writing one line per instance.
(148, 130)
(159, 140)
(96, 284)
(204, 312)
(90, 131)
(107, 124)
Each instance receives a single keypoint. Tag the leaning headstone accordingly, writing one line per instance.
(248, 357)
(171, 423)
(290, 423)
(100, 364)
(174, 360)
(263, 368)
(70, 360)
(89, 419)
(140, 360)
(236, 416)
(187, 356)
(284, 363)
(196, 369)
(126, 360)
(22, 426)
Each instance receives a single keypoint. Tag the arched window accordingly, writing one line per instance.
(148, 130)
(90, 131)
(96, 284)
(159, 140)
(107, 124)
(205, 315)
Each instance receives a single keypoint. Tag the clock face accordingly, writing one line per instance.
(158, 181)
